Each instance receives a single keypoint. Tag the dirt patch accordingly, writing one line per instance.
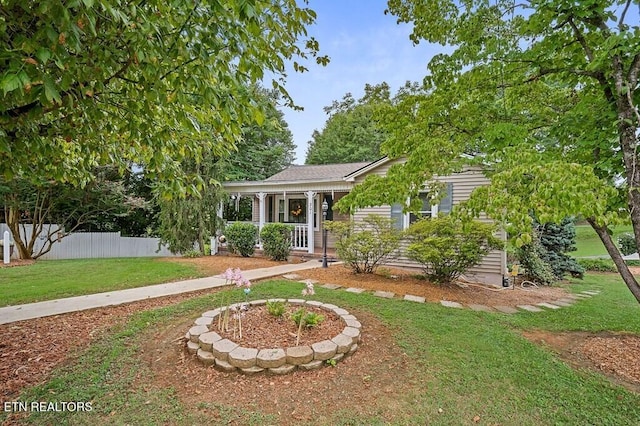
(17, 262)
(401, 282)
(615, 355)
(213, 265)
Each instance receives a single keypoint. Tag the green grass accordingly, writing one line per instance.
(465, 363)
(54, 279)
(588, 243)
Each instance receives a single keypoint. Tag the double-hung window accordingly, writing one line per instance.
(427, 209)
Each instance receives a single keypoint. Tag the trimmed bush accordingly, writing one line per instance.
(192, 254)
(364, 245)
(598, 265)
(627, 243)
(241, 238)
(536, 269)
(446, 247)
(276, 240)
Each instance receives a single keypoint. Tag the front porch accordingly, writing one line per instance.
(302, 210)
(294, 196)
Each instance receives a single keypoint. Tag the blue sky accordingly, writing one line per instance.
(365, 46)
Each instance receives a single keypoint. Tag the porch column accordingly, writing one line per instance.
(261, 196)
(310, 242)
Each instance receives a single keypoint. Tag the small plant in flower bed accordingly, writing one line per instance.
(302, 318)
(276, 308)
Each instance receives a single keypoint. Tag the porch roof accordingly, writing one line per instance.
(326, 177)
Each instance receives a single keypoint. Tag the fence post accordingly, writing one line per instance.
(6, 247)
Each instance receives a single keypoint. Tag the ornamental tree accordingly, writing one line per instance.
(541, 93)
(95, 82)
(351, 133)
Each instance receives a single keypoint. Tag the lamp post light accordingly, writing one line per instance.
(325, 209)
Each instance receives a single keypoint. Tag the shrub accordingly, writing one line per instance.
(535, 268)
(364, 245)
(192, 253)
(556, 240)
(241, 238)
(309, 319)
(276, 308)
(446, 247)
(276, 240)
(627, 243)
(598, 265)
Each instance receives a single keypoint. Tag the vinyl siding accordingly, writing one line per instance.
(492, 267)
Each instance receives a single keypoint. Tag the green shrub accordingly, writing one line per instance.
(241, 238)
(276, 240)
(309, 319)
(557, 239)
(276, 308)
(364, 245)
(446, 247)
(598, 265)
(192, 253)
(627, 243)
(536, 269)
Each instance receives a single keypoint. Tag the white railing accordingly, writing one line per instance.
(300, 237)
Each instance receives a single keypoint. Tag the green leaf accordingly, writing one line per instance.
(43, 54)
(51, 91)
(10, 82)
(259, 117)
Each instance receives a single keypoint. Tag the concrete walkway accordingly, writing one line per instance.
(80, 303)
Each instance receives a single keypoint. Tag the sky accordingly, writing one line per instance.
(365, 46)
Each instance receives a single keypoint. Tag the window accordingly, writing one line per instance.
(397, 216)
(298, 210)
(401, 220)
(427, 210)
(238, 209)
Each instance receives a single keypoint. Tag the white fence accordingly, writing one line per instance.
(85, 245)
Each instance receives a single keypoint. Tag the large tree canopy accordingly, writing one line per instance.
(350, 134)
(94, 82)
(265, 149)
(543, 93)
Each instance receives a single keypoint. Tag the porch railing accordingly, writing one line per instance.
(299, 236)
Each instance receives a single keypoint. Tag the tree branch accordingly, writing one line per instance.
(581, 39)
(621, 24)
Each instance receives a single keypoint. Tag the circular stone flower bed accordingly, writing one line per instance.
(226, 355)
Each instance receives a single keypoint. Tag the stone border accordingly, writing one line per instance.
(226, 355)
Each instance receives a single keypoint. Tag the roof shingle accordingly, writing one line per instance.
(316, 172)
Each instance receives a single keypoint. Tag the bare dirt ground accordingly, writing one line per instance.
(29, 350)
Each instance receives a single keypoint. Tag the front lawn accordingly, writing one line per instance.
(452, 366)
(588, 243)
(54, 279)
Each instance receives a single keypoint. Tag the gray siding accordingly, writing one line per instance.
(492, 267)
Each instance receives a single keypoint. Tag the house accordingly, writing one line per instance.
(296, 194)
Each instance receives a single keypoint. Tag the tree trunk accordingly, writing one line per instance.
(613, 251)
(12, 216)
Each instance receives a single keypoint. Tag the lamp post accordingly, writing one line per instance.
(325, 208)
